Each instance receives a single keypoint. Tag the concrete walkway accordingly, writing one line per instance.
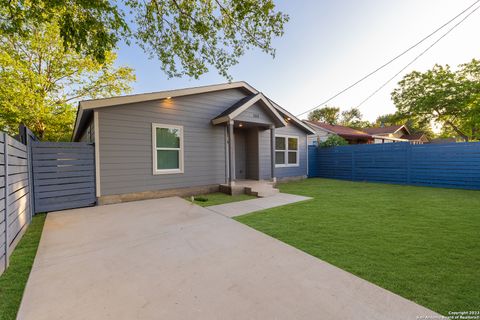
(169, 259)
(239, 208)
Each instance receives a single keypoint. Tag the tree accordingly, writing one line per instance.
(414, 124)
(331, 115)
(185, 36)
(353, 118)
(41, 82)
(450, 98)
(326, 114)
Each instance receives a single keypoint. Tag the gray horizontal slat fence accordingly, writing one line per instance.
(64, 175)
(15, 195)
(453, 165)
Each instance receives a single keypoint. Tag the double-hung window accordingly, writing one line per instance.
(286, 151)
(167, 143)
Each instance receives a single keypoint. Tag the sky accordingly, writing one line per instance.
(330, 44)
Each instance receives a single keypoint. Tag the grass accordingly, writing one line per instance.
(421, 243)
(213, 199)
(14, 279)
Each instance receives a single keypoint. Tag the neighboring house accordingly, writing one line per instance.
(416, 138)
(323, 130)
(189, 140)
(388, 134)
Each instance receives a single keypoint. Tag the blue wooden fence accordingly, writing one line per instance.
(454, 165)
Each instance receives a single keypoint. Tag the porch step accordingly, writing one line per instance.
(260, 189)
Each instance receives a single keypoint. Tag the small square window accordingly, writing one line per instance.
(292, 157)
(279, 143)
(279, 157)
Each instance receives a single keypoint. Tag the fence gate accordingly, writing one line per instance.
(63, 175)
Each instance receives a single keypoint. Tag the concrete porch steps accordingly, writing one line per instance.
(257, 188)
(261, 191)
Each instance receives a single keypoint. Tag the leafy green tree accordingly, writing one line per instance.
(41, 81)
(450, 98)
(186, 36)
(326, 114)
(414, 124)
(333, 141)
(332, 115)
(353, 118)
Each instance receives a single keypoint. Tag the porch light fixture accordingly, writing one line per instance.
(168, 98)
(288, 119)
(240, 125)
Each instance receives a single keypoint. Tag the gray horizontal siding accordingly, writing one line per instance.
(282, 172)
(264, 156)
(125, 143)
(256, 114)
(301, 170)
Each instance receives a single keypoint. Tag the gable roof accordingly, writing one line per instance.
(86, 107)
(386, 130)
(415, 136)
(342, 131)
(245, 103)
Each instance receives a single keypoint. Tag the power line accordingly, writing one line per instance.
(417, 57)
(390, 61)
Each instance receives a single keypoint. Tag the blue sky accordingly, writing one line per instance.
(330, 44)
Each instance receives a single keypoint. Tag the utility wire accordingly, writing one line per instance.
(417, 57)
(390, 61)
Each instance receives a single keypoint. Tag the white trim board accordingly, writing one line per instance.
(97, 154)
(180, 150)
(286, 151)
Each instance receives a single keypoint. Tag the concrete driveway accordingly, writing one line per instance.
(169, 259)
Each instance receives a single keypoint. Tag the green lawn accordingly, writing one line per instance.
(14, 279)
(421, 243)
(219, 198)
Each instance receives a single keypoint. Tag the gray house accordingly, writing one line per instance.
(190, 140)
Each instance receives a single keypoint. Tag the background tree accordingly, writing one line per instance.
(326, 114)
(41, 81)
(414, 124)
(353, 118)
(450, 98)
(186, 36)
(332, 115)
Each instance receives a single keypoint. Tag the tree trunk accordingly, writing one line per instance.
(458, 131)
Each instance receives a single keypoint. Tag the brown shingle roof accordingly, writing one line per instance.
(342, 131)
(383, 130)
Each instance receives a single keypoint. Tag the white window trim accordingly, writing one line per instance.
(286, 164)
(154, 149)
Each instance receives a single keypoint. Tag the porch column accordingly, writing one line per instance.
(231, 153)
(272, 151)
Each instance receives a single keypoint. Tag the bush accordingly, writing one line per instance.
(333, 141)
